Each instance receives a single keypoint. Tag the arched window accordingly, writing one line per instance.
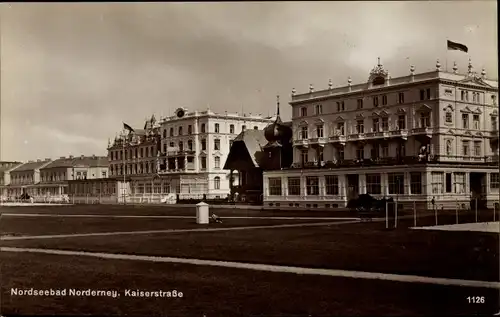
(171, 131)
(202, 128)
(217, 182)
(256, 128)
(216, 128)
(448, 116)
(217, 162)
(243, 128)
(449, 149)
(180, 130)
(165, 133)
(190, 145)
(181, 146)
(231, 128)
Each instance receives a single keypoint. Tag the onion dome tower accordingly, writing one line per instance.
(278, 133)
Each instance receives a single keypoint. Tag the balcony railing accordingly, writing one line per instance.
(338, 138)
(403, 160)
(301, 142)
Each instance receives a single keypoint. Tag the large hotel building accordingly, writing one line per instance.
(182, 154)
(415, 138)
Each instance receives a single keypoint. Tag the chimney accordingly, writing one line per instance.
(82, 157)
(93, 156)
(31, 161)
(71, 156)
(47, 159)
(62, 157)
(38, 160)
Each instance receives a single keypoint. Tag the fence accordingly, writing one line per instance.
(438, 216)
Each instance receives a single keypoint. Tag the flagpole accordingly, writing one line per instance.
(446, 56)
(124, 169)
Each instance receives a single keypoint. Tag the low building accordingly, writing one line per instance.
(25, 177)
(54, 177)
(96, 190)
(5, 168)
(256, 151)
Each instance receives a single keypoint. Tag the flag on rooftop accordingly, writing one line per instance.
(127, 127)
(454, 46)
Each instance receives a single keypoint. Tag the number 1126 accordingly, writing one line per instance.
(475, 299)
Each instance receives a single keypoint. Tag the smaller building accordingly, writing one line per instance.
(256, 151)
(102, 190)
(54, 177)
(5, 168)
(24, 177)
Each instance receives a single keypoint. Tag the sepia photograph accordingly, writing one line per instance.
(329, 158)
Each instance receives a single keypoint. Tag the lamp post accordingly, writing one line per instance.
(124, 138)
(396, 205)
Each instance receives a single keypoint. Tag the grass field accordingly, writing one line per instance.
(216, 291)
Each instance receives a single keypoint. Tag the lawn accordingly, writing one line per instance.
(68, 225)
(215, 291)
(359, 246)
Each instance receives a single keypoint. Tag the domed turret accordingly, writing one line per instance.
(277, 131)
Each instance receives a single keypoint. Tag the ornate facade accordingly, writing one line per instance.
(182, 154)
(416, 137)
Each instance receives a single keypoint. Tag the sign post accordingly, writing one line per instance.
(494, 211)
(433, 201)
(414, 213)
(475, 207)
(386, 215)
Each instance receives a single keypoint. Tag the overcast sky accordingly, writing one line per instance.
(71, 73)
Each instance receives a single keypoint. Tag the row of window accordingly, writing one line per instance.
(93, 189)
(133, 153)
(148, 168)
(476, 121)
(373, 185)
(378, 125)
(15, 179)
(203, 129)
(476, 96)
(466, 150)
(382, 124)
(425, 94)
(381, 151)
(138, 168)
(116, 155)
(442, 182)
(217, 146)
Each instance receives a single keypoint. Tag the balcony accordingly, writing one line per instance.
(400, 133)
(394, 161)
(318, 141)
(338, 139)
(357, 137)
(422, 130)
(301, 142)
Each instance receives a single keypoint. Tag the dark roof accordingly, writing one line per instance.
(5, 166)
(254, 141)
(90, 161)
(30, 166)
